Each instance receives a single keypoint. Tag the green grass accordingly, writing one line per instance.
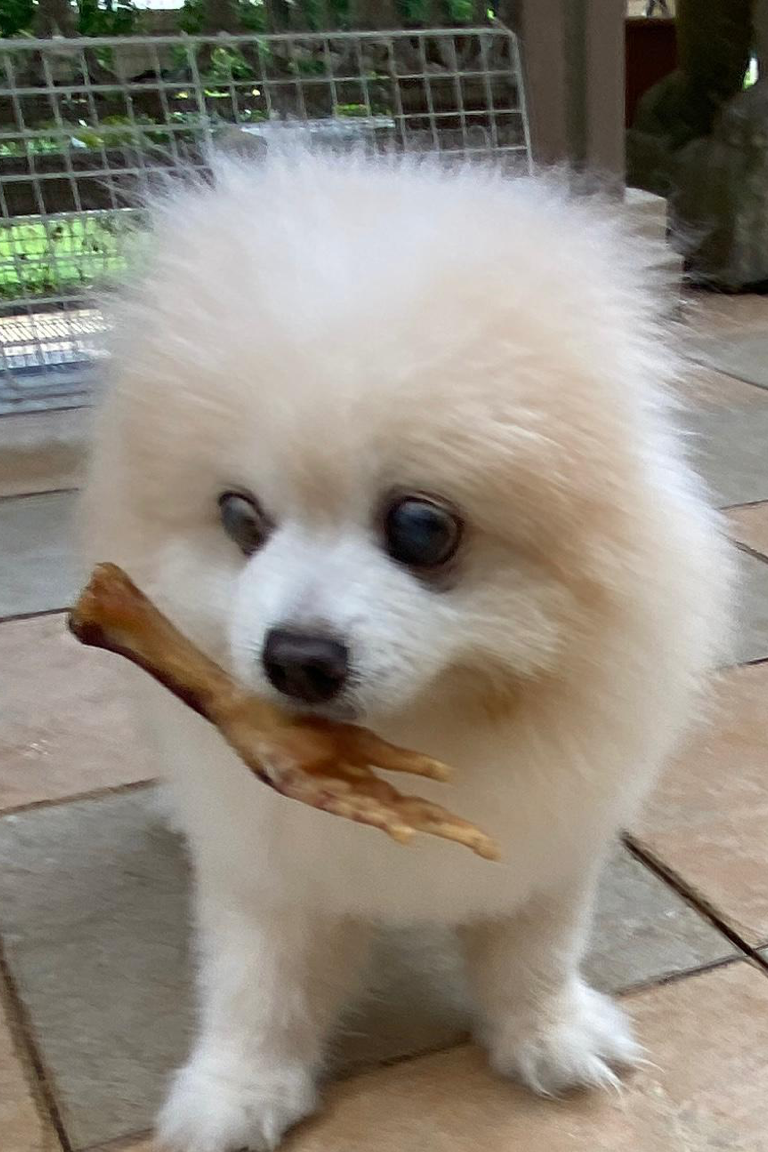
(114, 132)
(64, 256)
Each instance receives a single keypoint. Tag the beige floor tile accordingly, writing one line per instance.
(64, 728)
(132, 1144)
(743, 355)
(749, 639)
(42, 450)
(700, 385)
(750, 526)
(708, 819)
(729, 334)
(38, 560)
(708, 1035)
(21, 1128)
(713, 313)
(726, 423)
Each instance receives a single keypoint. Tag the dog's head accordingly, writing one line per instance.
(365, 439)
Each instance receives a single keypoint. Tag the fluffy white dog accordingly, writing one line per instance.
(392, 443)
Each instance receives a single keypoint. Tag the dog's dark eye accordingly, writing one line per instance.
(244, 521)
(420, 532)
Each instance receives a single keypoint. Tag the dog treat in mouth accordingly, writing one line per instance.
(321, 763)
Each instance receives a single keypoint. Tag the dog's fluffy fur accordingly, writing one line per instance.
(323, 331)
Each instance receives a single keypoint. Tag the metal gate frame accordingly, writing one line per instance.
(87, 124)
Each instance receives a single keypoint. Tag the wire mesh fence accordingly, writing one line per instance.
(87, 125)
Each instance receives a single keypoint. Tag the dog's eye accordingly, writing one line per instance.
(244, 521)
(420, 532)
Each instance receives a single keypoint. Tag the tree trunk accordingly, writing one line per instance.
(278, 15)
(370, 14)
(221, 16)
(55, 18)
(713, 44)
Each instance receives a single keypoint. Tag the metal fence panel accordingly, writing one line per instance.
(86, 125)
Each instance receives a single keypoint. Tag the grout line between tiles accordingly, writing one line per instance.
(714, 368)
(696, 901)
(33, 615)
(6, 496)
(125, 1143)
(46, 411)
(743, 504)
(678, 976)
(748, 551)
(404, 1058)
(746, 663)
(120, 1143)
(90, 794)
(21, 1032)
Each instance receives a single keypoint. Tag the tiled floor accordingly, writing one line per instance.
(740, 355)
(95, 1003)
(42, 451)
(72, 924)
(750, 527)
(37, 565)
(708, 820)
(708, 1036)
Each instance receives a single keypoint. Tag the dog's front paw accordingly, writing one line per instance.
(221, 1108)
(574, 1042)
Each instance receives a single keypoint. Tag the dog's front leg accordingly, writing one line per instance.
(541, 1023)
(271, 984)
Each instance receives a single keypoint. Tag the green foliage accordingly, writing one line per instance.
(420, 12)
(228, 64)
(94, 17)
(347, 110)
(123, 17)
(37, 145)
(112, 132)
(16, 16)
(113, 18)
(461, 11)
(68, 255)
(251, 14)
(191, 17)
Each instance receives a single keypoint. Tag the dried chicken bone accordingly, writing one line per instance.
(324, 764)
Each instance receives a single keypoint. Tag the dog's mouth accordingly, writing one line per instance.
(340, 711)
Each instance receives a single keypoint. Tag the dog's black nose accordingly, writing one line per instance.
(306, 666)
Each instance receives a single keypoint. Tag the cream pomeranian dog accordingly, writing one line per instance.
(392, 443)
